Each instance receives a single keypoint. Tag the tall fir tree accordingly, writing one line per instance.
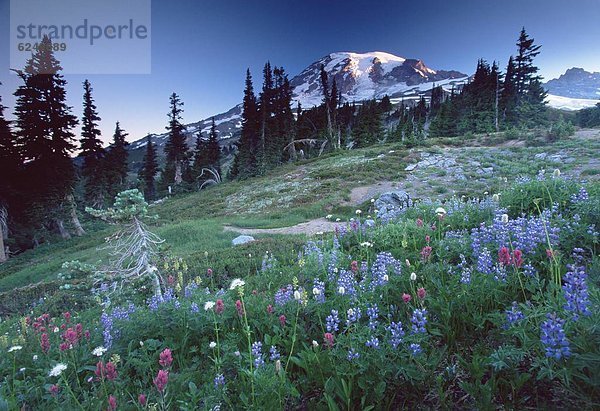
(246, 157)
(508, 96)
(149, 170)
(176, 148)
(44, 134)
(116, 162)
(199, 158)
(266, 112)
(92, 151)
(531, 96)
(9, 167)
(213, 149)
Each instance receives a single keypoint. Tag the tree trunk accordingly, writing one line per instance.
(3, 257)
(79, 231)
(178, 178)
(61, 229)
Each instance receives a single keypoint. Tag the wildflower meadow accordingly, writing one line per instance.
(473, 303)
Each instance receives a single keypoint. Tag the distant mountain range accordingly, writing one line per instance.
(359, 76)
(364, 76)
(575, 83)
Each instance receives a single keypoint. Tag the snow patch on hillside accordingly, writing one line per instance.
(571, 104)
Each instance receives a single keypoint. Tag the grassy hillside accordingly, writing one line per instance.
(298, 192)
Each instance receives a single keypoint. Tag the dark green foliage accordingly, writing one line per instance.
(115, 163)
(249, 143)
(589, 117)
(44, 135)
(149, 170)
(176, 149)
(367, 127)
(92, 151)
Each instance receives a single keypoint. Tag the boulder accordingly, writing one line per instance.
(242, 239)
(393, 199)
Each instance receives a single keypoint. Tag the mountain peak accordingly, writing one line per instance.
(374, 74)
(576, 83)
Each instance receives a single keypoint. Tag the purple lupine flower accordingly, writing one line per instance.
(257, 354)
(284, 295)
(553, 337)
(319, 290)
(580, 196)
(332, 322)
(346, 282)
(353, 315)
(194, 308)
(373, 313)
(352, 354)
(415, 349)
(465, 270)
(484, 261)
(529, 270)
(419, 320)
(384, 265)
(397, 333)
(219, 380)
(274, 354)
(513, 315)
(372, 342)
(576, 292)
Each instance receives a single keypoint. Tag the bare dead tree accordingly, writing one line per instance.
(133, 248)
(3, 232)
(216, 177)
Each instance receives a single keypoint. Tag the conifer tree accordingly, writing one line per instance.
(176, 149)
(116, 162)
(248, 145)
(44, 134)
(213, 149)
(9, 166)
(92, 151)
(530, 93)
(266, 112)
(199, 157)
(508, 97)
(149, 170)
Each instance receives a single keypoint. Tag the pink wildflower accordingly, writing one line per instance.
(419, 222)
(166, 359)
(100, 370)
(270, 309)
(70, 336)
(421, 293)
(426, 253)
(45, 343)
(64, 346)
(170, 280)
(329, 340)
(427, 239)
(142, 400)
(209, 272)
(54, 390)
(517, 258)
(354, 266)
(282, 320)
(161, 380)
(504, 256)
(239, 308)
(219, 307)
(112, 403)
(111, 371)
(406, 297)
(67, 316)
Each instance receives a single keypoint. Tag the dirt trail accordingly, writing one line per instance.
(310, 228)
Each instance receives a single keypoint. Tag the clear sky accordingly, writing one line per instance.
(201, 48)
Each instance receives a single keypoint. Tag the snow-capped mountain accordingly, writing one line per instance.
(370, 75)
(359, 76)
(575, 83)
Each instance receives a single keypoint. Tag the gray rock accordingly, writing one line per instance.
(242, 239)
(541, 156)
(393, 199)
(410, 167)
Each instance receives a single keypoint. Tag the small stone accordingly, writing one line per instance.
(242, 239)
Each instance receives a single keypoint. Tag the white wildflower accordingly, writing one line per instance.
(209, 305)
(407, 263)
(99, 351)
(413, 276)
(316, 291)
(358, 212)
(56, 329)
(212, 344)
(315, 344)
(236, 353)
(22, 369)
(337, 220)
(329, 216)
(278, 366)
(237, 282)
(57, 370)
(556, 173)
(15, 348)
(496, 198)
(35, 357)
(341, 290)
(297, 295)
(366, 244)
(372, 200)
(386, 277)
(440, 211)
(504, 218)
(319, 233)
